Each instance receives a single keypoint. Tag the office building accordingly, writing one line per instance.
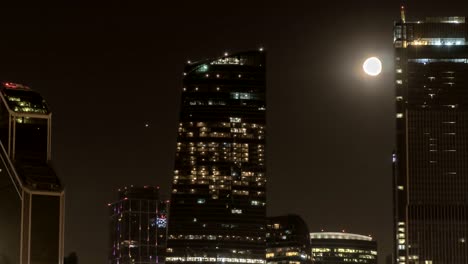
(218, 211)
(288, 240)
(31, 196)
(341, 248)
(430, 161)
(138, 223)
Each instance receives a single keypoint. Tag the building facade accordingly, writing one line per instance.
(288, 240)
(218, 211)
(138, 224)
(342, 248)
(430, 168)
(31, 195)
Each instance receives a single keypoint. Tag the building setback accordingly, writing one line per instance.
(31, 195)
(288, 240)
(430, 162)
(218, 211)
(138, 223)
(342, 248)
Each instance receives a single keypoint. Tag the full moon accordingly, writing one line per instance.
(372, 66)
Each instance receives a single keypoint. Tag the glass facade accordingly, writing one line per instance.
(218, 211)
(32, 198)
(430, 168)
(138, 223)
(288, 240)
(341, 248)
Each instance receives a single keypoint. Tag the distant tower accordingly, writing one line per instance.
(31, 196)
(342, 248)
(430, 163)
(288, 240)
(138, 221)
(403, 14)
(218, 204)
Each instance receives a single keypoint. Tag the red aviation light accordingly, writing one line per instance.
(10, 85)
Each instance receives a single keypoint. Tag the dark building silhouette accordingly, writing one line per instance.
(342, 248)
(288, 240)
(72, 258)
(138, 223)
(430, 162)
(31, 196)
(218, 211)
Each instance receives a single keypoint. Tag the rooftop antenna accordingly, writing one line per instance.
(403, 15)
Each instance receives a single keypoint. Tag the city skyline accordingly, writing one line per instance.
(112, 77)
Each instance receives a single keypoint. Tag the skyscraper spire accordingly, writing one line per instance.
(403, 15)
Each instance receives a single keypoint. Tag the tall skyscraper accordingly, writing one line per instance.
(342, 248)
(31, 196)
(138, 222)
(288, 240)
(430, 162)
(217, 211)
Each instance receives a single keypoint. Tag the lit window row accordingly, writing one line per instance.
(215, 259)
(214, 237)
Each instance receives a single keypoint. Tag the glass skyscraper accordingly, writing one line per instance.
(218, 211)
(288, 240)
(31, 196)
(138, 222)
(430, 162)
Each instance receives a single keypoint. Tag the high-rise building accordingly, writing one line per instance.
(288, 240)
(218, 211)
(138, 223)
(342, 248)
(31, 196)
(430, 161)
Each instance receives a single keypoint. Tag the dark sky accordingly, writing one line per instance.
(106, 71)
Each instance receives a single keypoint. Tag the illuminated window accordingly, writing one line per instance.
(203, 68)
(236, 211)
(235, 119)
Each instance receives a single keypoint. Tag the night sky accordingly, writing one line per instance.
(108, 71)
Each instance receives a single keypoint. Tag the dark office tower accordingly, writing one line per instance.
(31, 196)
(218, 209)
(430, 165)
(138, 223)
(288, 240)
(342, 248)
(71, 259)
